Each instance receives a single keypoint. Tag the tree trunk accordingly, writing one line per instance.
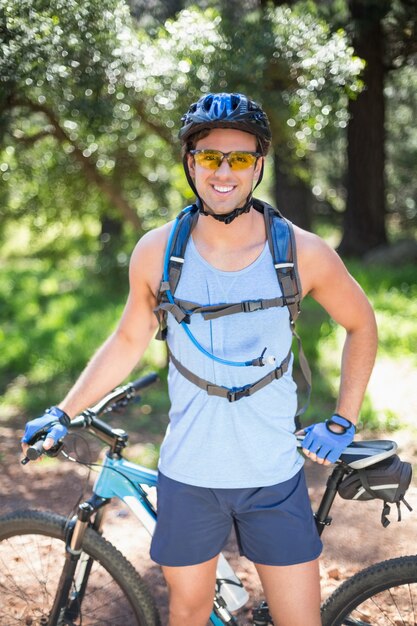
(292, 196)
(364, 218)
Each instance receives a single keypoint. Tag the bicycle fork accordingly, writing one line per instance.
(72, 587)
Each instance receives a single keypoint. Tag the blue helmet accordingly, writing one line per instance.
(227, 110)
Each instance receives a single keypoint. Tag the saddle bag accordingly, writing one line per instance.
(387, 480)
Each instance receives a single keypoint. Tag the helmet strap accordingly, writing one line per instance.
(227, 217)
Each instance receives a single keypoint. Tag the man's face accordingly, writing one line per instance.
(223, 190)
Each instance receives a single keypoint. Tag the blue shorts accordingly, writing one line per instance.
(274, 525)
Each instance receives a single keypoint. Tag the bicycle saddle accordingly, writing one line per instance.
(362, 454)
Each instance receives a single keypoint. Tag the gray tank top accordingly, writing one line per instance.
(211, 442)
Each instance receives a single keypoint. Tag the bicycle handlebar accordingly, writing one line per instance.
(120, 396)
(145, 381)
(35, 451)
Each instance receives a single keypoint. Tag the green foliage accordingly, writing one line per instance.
(401, 93)
(53, 320)
(70, 114)
(328, 164)
(393, 293)
(398, 21)
(298, 69)
(91, 105)
(374, 421)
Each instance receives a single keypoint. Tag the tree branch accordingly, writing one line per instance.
(161, 131)
(88, 165)
(32, 139)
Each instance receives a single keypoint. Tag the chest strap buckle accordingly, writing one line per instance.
(237, 393)
(252, 305)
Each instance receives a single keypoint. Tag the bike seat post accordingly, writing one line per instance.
(322, 516)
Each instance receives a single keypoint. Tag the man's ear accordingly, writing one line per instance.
(191, 164)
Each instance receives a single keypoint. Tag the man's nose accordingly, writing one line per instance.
(224, 167)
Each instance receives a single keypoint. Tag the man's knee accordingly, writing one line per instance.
(191, 593)
(191, 613)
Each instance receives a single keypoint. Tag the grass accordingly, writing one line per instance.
(393, 293)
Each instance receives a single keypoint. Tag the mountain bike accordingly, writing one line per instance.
(56, 571)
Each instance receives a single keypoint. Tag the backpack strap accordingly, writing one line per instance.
(281, 243)
(235, 393)
(174, 260)
(281, 240)
(185, 308)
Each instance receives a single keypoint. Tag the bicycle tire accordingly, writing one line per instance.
(382, 594)
(32, 553)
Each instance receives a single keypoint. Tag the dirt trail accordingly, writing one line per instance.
(355, 539)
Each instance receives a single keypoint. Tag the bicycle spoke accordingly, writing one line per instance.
(30, 567)
(382, 611)
(392, 607)
(412, 603)
(19, 589)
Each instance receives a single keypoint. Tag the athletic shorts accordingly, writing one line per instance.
(274, 525)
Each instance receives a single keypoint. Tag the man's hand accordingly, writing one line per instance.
(53, 425)
(325, 441)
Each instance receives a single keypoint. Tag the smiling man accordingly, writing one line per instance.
(233, 274)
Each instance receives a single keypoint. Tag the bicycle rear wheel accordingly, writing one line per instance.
(384, 594)
(32, 554)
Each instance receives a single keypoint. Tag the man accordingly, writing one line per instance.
(231, 463)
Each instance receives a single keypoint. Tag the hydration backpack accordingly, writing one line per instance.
(281, 243)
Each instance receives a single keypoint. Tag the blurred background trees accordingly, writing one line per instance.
(91, 95)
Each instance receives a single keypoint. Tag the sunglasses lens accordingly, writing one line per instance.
(241, 160)
(210, 159)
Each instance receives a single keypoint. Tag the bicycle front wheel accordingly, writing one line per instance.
(32, 555)
(384, 594)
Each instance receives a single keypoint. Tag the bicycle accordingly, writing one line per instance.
(56, 571)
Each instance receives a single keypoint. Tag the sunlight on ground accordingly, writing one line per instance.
(393, 387)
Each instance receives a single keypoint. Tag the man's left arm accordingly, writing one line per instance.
(326, 279)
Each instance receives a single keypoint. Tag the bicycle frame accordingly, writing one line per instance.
(122, 479)
(125, 480)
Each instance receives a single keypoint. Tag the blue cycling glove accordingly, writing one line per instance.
(326, 443)
(53, 424)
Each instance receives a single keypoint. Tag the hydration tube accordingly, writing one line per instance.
(260, 361)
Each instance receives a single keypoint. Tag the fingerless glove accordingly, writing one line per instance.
(53, 424)
(326, 443)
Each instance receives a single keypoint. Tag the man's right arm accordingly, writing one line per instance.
(120, 353)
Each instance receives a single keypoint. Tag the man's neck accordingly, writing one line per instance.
(244, 230)
(230, 247)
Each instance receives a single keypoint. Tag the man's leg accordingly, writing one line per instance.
(292, 593)
(191, 593)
